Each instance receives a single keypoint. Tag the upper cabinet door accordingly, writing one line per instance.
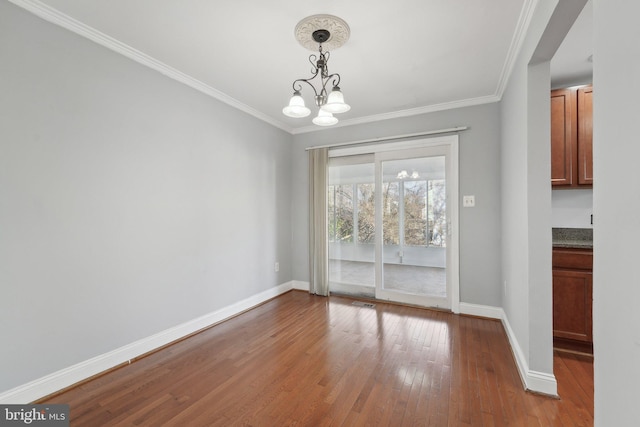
(571, 137)
(563, 137)
(585, 135)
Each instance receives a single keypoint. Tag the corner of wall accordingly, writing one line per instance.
(300, 285)
(537, 382)
(77, 373)
(534, 381)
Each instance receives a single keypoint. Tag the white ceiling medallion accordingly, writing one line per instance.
(338, 29)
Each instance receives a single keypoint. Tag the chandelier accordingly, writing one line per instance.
(316, 32)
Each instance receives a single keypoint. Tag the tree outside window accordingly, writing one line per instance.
(366, 213)
(340, 205)
(422, 213)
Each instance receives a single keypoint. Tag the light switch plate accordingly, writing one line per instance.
(468, 201)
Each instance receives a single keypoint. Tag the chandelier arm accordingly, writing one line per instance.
(314, 68)
(322, 64)
(336, 79)
(299, 86)
(333, 78)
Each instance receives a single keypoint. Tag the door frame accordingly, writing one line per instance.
(450, 143)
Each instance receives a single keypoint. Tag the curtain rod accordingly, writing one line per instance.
(391, 138)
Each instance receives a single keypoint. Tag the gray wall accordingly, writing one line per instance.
(616, 203)
(479, 175)
(117, 208)
(526, 192)
(129, 203)
(572, 208)
(519, 208)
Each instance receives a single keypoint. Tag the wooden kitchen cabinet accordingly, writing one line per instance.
(571, 137)
(585, 135)
(563, 136)
(573, 298)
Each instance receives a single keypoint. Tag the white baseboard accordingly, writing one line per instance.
(300, 285)
(539, 382)
(534, 381)
(63, 378)
(481, 310)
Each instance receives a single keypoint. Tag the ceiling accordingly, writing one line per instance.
(403, 57)
(572, 63)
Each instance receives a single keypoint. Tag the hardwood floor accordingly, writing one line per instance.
(312, 361)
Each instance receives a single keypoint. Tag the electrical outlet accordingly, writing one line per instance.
(276, 267)
(468, 201)
(505, 288)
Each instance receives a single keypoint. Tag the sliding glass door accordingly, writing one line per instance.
(412, 249)
(389, 221)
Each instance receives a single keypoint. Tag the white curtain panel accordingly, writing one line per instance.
(318, 245)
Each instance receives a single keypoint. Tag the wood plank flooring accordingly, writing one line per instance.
(312, 361)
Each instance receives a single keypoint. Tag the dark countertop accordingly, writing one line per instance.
(572, 238)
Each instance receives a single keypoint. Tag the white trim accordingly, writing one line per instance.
(539, 382)
(490, 99)
(390, 138)
(300, 285)
(56, 17)
(427, 142)
(481, 310)
(526, 15)
(73, 374)
(453, 269)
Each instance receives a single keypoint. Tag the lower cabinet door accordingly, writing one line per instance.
(572, 305)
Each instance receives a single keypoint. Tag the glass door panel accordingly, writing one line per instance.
(351, 217)
(413, 220)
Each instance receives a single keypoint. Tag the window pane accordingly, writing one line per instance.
(366, 213)
(390, 213)
(342, 213)
(437, 208)
(415, 213)
(331, 213)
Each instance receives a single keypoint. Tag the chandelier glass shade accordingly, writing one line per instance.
(327, 94)
(296, 107)
(324, 118)
(335, 102)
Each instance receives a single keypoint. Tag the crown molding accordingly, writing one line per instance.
(56, 17)
(519, 35)
(404, 113)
